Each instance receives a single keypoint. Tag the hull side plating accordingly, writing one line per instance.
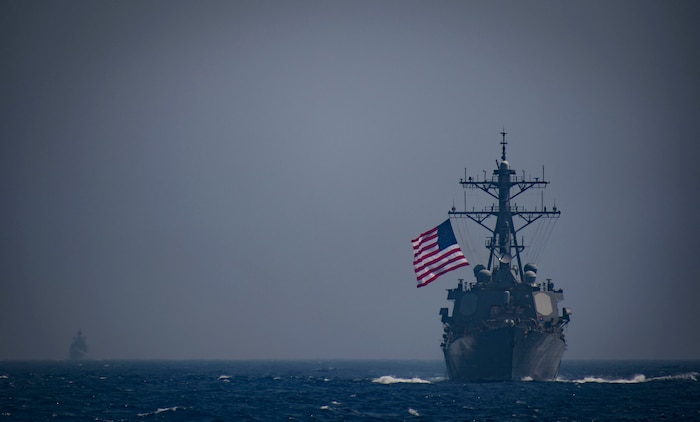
(505, 354)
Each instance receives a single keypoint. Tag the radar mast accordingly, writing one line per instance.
(503, 186)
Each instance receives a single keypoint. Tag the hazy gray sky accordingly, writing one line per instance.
(234, 180)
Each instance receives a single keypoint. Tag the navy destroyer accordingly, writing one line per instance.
(78, 349)
(504, 325)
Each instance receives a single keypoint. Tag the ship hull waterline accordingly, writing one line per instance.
(505, 354)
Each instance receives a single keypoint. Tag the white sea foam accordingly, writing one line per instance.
(161, 410)
(690, 376)
(388, 379)
(636, 379)
(413, 412)
(165, 409)
(224, 377)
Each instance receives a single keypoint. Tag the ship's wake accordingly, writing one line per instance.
(636, 379)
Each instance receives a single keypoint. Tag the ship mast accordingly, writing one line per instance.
(503, 243)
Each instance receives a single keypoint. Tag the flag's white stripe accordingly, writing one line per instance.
(426, 254)
(426, 248)
(439, 261)
(438, 274)
(430, 261)
(426, 234)
(458, 262)
(424, 238)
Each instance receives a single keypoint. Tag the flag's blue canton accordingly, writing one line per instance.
(446, 236)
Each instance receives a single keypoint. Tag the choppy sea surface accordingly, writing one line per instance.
(340, 390)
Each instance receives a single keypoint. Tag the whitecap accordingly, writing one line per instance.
(165, 409)
(413, 412)
(388, 379)
(161, 410)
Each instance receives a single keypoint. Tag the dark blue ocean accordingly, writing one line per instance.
(340, 390)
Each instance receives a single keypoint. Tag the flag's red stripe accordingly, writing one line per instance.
(443, 254)
(420, 236)
(435, 276)
(424, 247)
(423, 241)
(420, 258)
(442, 265)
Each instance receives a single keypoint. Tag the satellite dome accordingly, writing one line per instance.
(477, 269)
(484, 276)
(530, 277)
(531, 267)
(505, 165)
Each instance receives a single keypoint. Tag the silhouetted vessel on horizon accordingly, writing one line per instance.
(505, 325)
(78, 349)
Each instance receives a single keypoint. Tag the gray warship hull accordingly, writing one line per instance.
(510, 353)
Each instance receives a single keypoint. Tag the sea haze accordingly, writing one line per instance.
(242, 179)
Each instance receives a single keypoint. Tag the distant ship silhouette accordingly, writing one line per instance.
(78, 349)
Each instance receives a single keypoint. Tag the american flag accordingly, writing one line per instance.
(435, 253)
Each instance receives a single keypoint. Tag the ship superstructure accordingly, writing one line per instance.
(505, 325)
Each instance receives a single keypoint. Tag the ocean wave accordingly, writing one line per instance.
(388, 379)
(333, 402)
(636, 379)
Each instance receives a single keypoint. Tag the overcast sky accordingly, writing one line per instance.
(238, 180)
